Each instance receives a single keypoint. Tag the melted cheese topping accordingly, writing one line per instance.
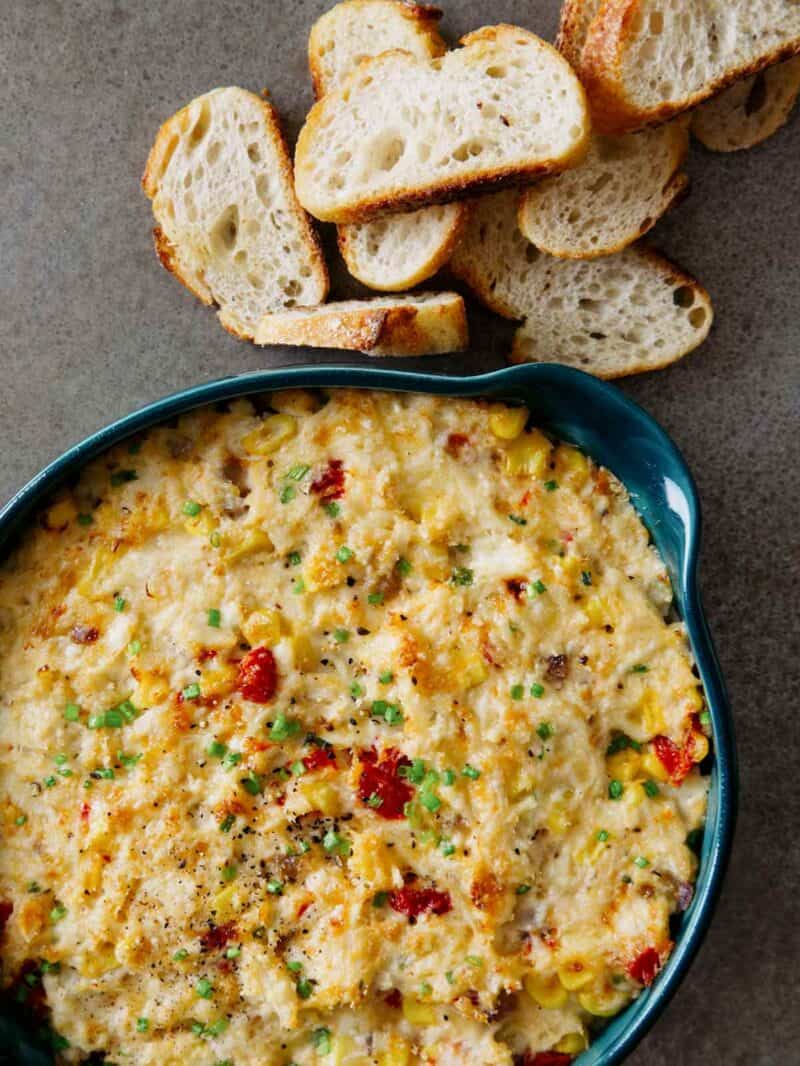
(348, 732)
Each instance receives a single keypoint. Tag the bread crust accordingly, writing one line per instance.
(169, 254)
(608, 38)
(443, 190)
(439, 256)
(572, 26)
(407, 329)
(425, 17)
(711, 128)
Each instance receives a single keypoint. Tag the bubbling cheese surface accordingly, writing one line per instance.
(342, 730)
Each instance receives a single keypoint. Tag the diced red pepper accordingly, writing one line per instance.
(415, 901)
(382, 780)
(257, 679)
(676, 761)
(86, 810)
(644, 967)
(330, 484)
(319, 758)
(455, 442)
(394, 999)
(516, 586)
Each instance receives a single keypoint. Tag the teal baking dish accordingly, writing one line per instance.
(599, 419)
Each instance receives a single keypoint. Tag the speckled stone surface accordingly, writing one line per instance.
(91, 327)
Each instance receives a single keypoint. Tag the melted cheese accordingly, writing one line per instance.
(478, 599)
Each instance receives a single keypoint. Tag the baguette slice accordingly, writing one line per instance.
(647, 60)
(228, 224)
(619, 315)
(395, 254)
(355, 30)
(401, 132)
(431, 324)
(573, 27)
(617, 194)
(750, 111)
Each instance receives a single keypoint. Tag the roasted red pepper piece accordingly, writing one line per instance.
(382, 780)
(6, 910)
(218, 936)
(330, 483)
(676, 761)
(644, 967)
(415, 901)
(257, 679)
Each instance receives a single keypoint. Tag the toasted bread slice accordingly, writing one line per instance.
(355, 30)
(622, 314)
(617, 194)
(228, 224)
(647, 60)
(401, 132)
(395, 254)
(576, 18)
(750, 111)
(430, 324)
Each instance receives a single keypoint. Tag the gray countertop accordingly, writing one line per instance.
(91, 327)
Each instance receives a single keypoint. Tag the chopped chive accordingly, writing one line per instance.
(227, 823)
(204, 988)
(321, 1039)
(615, 789)
(217, 749)
(120, 603)
(283, 727)
(551, 486)
(129, 760)
(404, 567)
(335, 844)
(341, 636)
(134, 647)
(85, 520)
(537, 690)
(447, 848)
(21, 819)
(425, 989)
(375, 599)
(517, 692)
(705, 719)
(522, 890)
(356, 690)
(448, 777)
(231, 759)
(518, 520)
(299, 586)
(298, 472)
(252, 784)
(233, 952)
(304, 991)
(214, 617)
(374, 801)
(539, 586)
(603, 835)
(473, 960)
(586, 577)
(50, 782)
(641, 862)
(57, 913)
(275, 888)
(180, 955)
(386, 677)
(72, 712)
(544, 731)
(298, 768)
(287, 493)
(344, 554)
(333, 509)
(621, 742)
(192, 508)
(430, 801)
(651, 788)
(217, 1028)
(192, 692)
(471, 772)
(215, 539)
(462, 575)
(379, 899)
(294, 558)
(142, 1025)
(640, 668)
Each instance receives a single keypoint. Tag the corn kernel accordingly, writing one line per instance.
(270, 434)
(602, 1001)
(624, 765)
(418, 1013)
(572, 1043)
(398, 1053)
(597, 610)
(572, 464)
(262, 627)
(201, 525)
(575, 974)
(528, 454)
(548, 992)
(256, 540)
(151, 689)
(652, 714)
(653, 767)
(473, 672)
(320, 796)
(559, 819)
(507, 422)
(60, 514)
(219, 679)
(699, 747)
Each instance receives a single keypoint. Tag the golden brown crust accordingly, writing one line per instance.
(672, 275)
(426, 16)
(446, 189)
(571, 29)
(168, 257)
(780, 96)
(601, 72)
